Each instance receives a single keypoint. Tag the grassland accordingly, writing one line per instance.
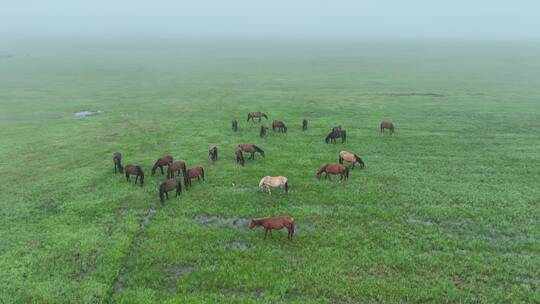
(446, 211)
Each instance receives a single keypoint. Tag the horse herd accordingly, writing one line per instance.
(176, 169)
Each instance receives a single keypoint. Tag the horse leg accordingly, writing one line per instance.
(127, 177)
(136, 179)
(167, 194)
(265, 233)
(161, 168)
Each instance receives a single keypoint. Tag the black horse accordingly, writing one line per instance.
(117, 160)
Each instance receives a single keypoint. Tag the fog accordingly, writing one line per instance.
(441, 19)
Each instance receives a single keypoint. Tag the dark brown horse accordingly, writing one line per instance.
(168, 185)
(134, 170)
(175, 168)
(333, 169)
(277, 222)
(253, 115)
(250, 148)
(304, 124)
(163, 161)
(212, 152)
(336, 134)
(239, 156)
(387, 125)
(197, 172)
(234, 125)
(117, 160)
(262, 132)
(279, 125)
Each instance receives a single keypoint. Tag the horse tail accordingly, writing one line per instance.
(346, 172)
(287, 187)
(184, 169)
(179, 186)
(169, 172)
(344, 135)
(161, 192)
(285, 128)
(360, 161)
(216, 153)
(140, 173)
(202, 173)
(258, 150)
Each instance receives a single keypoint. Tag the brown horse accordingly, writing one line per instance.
(250, 148)
(234, 125)
(176, 167)
(239, 156)
(167, 186)
(351, 158)
(262, 132)
(333, 169)
(117, 160)
(336, 134)
(304, 124)
(387, 125)
(162, 161)
(279, 125)
(253, 115)
(277, 222)
(134, 170)
(197, 172)
(212, 152)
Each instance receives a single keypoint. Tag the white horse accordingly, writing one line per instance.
(268, 182)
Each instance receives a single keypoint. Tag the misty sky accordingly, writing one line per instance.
(500, 19)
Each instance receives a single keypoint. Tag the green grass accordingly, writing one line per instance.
(446, 211)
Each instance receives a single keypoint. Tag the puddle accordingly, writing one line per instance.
(88, 113)
(175, 271)
(411, 94)
(234, 244)
(231, 221)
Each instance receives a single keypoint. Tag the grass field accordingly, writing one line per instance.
(447, 210)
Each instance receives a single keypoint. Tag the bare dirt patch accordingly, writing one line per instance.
(238, 245)
(231, 221)
(88, 113)
(406, 94)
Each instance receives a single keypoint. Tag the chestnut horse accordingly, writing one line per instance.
(162, 161)
(212, 152)
(304, 124)
(134, 170)
(268, 182)
(279, 125)
(234, 125)
(175, 168)
(277, 222)
(351, 158)
(387, 125)
(333, 169)
(253, 115)
(239, 156)
(167, 186)
(197, 172)
(262, 132)
(117, 160)
(250, 148)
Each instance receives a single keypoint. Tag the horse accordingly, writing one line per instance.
(336, 134)
(253, 115)
(239, 156)
(175, 168)
(279, 125)
(117, 160)
(274, 181)
(212, 152)
(250, 148)
(262, 132)
(234, 125)
(333, 169)
(351, 158)
(134, 170)
(162, 161)
(167, 186)
(387, 125)
(304, 124)
(197, 172)
(277, 222)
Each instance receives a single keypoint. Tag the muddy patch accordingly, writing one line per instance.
(89, 265)
(238, 245)
(407, 94)
(243, 188)
(414, 220)
(88, 113)
(173, 272)
(303, 227)
(147, 218)
(230, 221)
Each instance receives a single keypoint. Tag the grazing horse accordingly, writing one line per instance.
(212, 152)
(333, 169)
(167, 186)
(277, 222)
(197, 172)
(336, 134)
(163, 161)
(279, 125)
(175, 168)
(239, 156)
(134, 170)
(234, 125)
(268, 182)
(387, 125)
(304, 124)
(351, 158)
(250, 148)
(262, 132)
(117, 160)
(253, 115)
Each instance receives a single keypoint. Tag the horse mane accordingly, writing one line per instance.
(259, 150)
